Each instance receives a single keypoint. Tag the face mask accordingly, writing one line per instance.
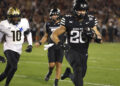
(81, 16)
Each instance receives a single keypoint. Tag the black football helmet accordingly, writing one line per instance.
(13, 15)
(55, 11)
(80, 5)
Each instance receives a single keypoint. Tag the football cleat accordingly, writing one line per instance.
(47, 77)
(66, 73)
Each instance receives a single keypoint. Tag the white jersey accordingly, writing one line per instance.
(15, 34)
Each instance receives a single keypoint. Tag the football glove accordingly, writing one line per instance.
(29, 48)
(2, 59)
(97, 40)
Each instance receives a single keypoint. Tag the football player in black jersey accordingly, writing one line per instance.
(80, 28)
(55, 54)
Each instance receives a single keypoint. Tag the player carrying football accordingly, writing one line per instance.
(80, 28)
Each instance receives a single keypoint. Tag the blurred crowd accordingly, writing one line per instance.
(107, 13)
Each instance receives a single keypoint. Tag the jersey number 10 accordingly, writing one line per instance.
(16, 35)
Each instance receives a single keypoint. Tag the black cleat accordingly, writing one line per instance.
(47, 77)
(66, 73)
(2, 59)
(55, 84)
(6, 85)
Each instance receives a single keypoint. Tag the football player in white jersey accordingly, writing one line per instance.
(14, 28)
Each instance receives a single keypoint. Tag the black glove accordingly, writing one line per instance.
(29, 48)
(2, 59)
(98, 40)
(40, 43)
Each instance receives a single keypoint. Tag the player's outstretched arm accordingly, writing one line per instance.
(43, 40)
(56, 33)
(98, 37)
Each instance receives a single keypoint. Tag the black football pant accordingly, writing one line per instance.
(11, 67)
(78, 62)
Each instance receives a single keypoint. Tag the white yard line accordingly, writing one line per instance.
(95, 84)
(92, 67)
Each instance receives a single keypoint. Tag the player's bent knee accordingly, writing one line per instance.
(77, 69)
(52, 65)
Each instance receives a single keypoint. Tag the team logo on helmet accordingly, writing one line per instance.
(13, 15)
(55, 11)
(80, 5)
(13, 11)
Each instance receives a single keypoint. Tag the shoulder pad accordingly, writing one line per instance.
(4, 22)
(91, 18)
(24, 20)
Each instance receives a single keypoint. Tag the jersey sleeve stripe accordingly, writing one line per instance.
(62, 21)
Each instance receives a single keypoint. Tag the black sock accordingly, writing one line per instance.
(56, 82)
(3, 76)
(10, 76)
(50, 71)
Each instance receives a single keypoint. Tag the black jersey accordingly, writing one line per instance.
(75, 28)
(50, 27)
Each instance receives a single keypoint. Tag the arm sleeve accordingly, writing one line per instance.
(29, 38)
(46, 26)
(29, 35)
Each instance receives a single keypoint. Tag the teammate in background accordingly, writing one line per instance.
(55, 54)
(14, 29)
(80, 28)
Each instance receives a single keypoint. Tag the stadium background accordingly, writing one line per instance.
(103, 61)
(37, 11)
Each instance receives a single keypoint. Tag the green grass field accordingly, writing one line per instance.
(103, 67)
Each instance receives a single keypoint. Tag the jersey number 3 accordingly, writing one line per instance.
(16, 35)
(77, 38)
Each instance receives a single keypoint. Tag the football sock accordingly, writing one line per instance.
(10, 76)
(50, 71)
(2, 76)
(56, 82)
